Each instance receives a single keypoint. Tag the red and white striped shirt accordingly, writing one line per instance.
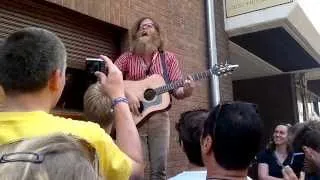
(134, 68)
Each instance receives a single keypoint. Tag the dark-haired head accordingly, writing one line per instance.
(189, 130)
(233, 133)
(28, 59)
(302, 135)
(33, 61)
(305, 138)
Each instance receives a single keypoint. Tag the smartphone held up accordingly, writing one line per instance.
(93, 65)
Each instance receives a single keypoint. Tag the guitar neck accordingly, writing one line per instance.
(176, 84)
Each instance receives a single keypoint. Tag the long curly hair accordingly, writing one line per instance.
(136, 27)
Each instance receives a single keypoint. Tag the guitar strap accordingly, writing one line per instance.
(164, 67)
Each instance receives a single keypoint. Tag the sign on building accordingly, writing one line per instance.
(237, 7)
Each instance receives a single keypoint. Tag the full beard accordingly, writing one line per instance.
(146, 44)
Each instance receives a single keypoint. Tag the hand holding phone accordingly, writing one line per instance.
(93, 65)
(112, 84)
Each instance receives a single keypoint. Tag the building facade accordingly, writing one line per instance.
(93, 27)
(276, 44)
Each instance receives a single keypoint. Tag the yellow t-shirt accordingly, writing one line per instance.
(113, 163)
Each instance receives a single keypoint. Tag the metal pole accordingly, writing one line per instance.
(212, 51)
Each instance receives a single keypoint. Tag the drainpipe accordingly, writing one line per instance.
(212, 52)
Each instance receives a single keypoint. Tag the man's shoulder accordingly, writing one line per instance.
(74, 125)
(52, 117)
(169, 53)
(79, 125)
(170, 57)
(126, 54)
(41, 123)
(90, 131)
(129, 54)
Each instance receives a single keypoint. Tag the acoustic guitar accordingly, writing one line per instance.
(153, 92)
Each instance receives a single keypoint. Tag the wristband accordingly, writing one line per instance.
(118, 100)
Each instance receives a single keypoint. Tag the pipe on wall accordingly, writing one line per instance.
(212, 52)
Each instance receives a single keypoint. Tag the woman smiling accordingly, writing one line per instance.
(276, 156)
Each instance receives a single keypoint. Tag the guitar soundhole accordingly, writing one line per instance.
(149, 94)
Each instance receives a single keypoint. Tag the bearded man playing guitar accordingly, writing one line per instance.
(147, 58)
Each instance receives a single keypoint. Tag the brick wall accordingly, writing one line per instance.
(183, 25)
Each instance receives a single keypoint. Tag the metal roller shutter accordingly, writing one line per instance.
(83, 36)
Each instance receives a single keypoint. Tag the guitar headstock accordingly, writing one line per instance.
(223, 69)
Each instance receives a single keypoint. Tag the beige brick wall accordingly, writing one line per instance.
(183, 25)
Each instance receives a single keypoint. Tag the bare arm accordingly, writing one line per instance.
(127, 134)
(263, 172)
(127, 137)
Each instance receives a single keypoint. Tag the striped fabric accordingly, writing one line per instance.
(134, 68)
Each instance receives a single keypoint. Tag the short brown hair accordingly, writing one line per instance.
(189, 128)
(306, 134)
(136, 28)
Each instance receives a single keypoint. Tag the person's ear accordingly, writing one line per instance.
(54, 82)
(308, 152)
(207, 144)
